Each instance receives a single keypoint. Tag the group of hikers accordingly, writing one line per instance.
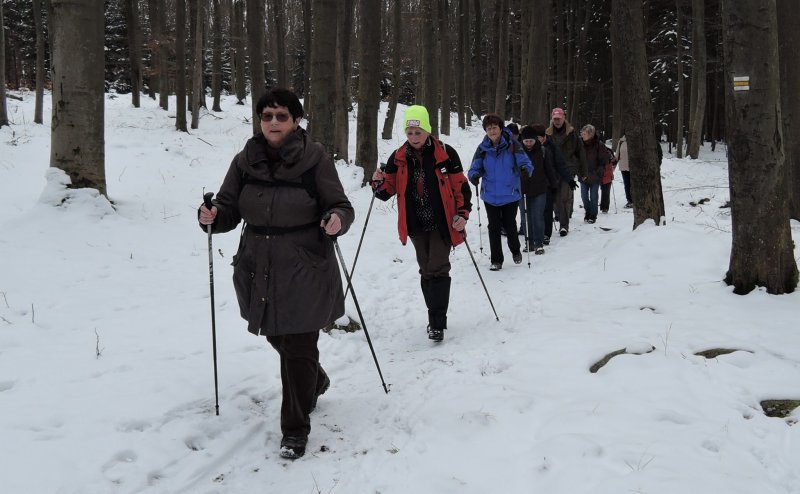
(284, 186)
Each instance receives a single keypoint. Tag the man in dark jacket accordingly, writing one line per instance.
(571, 147)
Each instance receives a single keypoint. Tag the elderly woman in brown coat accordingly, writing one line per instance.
(285, 188)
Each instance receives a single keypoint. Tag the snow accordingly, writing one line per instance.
(106, 377)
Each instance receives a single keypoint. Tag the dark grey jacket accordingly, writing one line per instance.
(289, 282)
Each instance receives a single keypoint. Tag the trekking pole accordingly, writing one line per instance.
(466, 244)
(614, 195)
(363, 231)
(527, 226)
(355, 301)
(207, 203)
(480, 233)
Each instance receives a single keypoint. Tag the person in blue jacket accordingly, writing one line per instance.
(496, 165)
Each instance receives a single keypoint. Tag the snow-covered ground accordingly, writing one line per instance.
(106, 380)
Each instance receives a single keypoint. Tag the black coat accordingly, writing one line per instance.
(544, 173)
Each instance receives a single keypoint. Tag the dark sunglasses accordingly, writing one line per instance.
(280, 117)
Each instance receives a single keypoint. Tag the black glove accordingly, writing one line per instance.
(475, 180)
(572, 184)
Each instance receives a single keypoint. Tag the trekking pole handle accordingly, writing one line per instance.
(207, 200)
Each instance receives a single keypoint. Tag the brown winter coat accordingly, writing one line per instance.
(286, 283)
(569, 143)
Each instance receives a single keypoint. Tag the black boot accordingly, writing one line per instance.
(438, 301)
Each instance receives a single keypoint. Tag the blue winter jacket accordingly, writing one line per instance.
(499, 167)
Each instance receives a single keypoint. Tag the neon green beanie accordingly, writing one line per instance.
(417, 116)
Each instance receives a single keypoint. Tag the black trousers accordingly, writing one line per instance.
(626, 179)
(605, 196)
(548, 215)
(502, 217)
(301, 374)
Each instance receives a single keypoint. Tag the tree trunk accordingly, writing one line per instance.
(343, 104)
(255, 42)
(369, 87)
(789, 40)
(180, 70)
(323, 65)
(637, 116)
(397, 43)
(307, 24)
(154, 45)
(76, 138)
(279, 16)
(163, 56)
(3, 110)
(134, 48)
(681, 82)
(198, 86)
(698, 96)
(427, 95)
(445, 59)
(478, 67)
(538, 72)
(617, 64)
(501, 87)
(515, 45)
(40, 56)
(762, 253)
(216, 58)
(238, 60)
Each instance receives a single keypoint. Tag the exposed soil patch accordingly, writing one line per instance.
(603, 361)
(779, 408)
(716, 352)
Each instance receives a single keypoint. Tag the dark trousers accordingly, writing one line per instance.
(626, 179)
(563, 203)
(433, 258)
(502, 217)
(534, 210)
(605, 196)
(548, 214)
(301, 374)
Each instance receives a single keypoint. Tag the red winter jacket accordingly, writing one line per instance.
(453, 189)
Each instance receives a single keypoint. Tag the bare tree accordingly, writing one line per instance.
(279, 25)
(697, 105)
(534, 88)
(216, 57)
(163, 55)
(445, 58)
(199, 89)
(77, 139)
(180, 72)
(343, 104)
(238, 57)
(501, 81)
(637, 117)
(3, 110)
(323, 65)
(397, 38)
(134, 50)
(478, 68)
(789, 40)
(40, 56)
(762, 253)
(368, 86)
(460, 62)
(680, 77)
(255, 42)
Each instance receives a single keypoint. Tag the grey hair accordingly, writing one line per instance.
(588, 128)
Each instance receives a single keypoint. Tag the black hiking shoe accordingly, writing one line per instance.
(496, 266)
(321, 388)
(563, 232)
(435, 334)
(546, 240)
(293, 447)
(517, 258)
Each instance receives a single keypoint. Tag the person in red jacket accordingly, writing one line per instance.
(433, 205)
